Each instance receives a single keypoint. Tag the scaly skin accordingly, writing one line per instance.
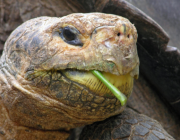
(127, 126)
(38, 89)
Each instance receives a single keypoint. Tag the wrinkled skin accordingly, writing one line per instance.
(38, 65)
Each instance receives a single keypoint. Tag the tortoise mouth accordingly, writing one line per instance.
(85, 92)
(87, 79)
(81, 90)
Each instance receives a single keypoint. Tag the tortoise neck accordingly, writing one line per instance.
(9, 92)
(4, 84)
(7, 76)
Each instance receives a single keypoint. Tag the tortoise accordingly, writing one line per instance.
(147, 34)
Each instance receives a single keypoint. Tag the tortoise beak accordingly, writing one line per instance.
(119, 44)
(135, 72)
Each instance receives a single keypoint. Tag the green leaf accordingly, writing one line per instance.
(121, 97)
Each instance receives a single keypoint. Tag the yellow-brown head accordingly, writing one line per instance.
(49, 59)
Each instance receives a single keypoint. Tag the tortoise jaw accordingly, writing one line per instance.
(123, 82)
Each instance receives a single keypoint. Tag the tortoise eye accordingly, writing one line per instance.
(70, 35)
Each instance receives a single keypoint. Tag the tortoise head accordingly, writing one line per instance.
(49, 59)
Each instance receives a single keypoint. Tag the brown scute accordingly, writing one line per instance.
(127, 125)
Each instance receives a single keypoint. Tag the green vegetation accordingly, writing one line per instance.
(121, 97)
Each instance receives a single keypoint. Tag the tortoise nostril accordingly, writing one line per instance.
(118, 34)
